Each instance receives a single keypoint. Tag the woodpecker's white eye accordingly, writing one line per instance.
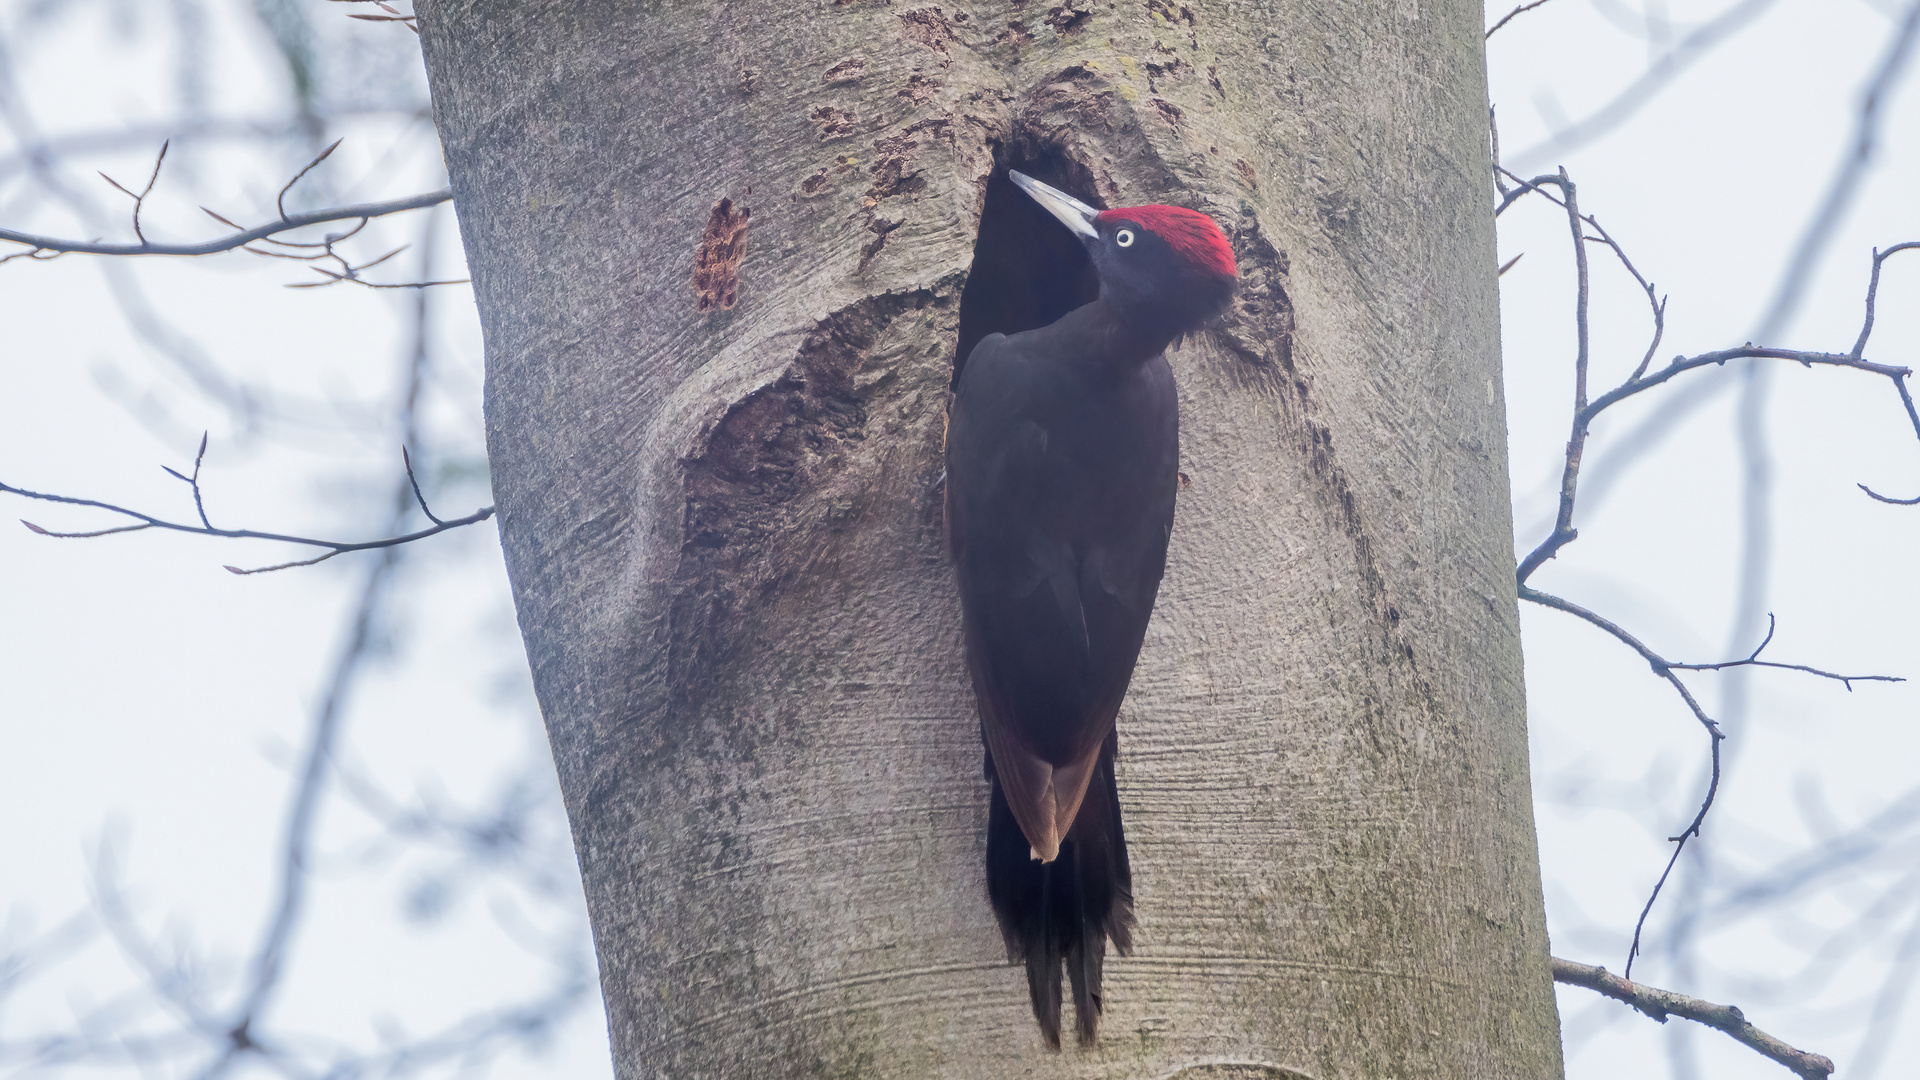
(1124, 238)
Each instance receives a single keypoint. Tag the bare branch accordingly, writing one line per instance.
(1584, 412)
(1715, 737)
(148, 521)
(191, 1016)
(1654, 300)
(1661, 1004)
(1841, 189)
(235, 240)
(1665, 669)
(1748, 351)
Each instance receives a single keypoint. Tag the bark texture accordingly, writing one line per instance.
(719, 252)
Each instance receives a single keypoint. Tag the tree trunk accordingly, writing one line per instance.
(719, 254)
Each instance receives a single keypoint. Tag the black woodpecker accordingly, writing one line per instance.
(1063, 450)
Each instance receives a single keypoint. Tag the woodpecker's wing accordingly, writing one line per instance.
(1059, 503)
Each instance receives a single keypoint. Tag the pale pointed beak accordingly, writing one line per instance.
(1072, 213)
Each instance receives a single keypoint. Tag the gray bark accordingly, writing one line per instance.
(718, 254)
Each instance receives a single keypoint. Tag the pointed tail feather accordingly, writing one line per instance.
(1061, 914)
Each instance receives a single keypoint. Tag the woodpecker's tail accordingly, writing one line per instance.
(1063, 912)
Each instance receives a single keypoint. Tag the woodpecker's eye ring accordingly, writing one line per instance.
(1124, 238)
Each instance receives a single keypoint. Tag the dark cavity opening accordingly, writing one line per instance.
(1028, 270)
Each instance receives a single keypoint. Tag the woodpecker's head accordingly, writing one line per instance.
(1167, 268)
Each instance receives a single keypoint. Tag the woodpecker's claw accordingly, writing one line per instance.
(1072, 213)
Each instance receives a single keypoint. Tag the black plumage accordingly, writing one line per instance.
(1062, 466)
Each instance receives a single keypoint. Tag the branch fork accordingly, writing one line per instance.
(206, 527)
(243, 238)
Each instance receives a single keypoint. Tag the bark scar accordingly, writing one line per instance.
(716, 266)
(850, 70)
(928, 26)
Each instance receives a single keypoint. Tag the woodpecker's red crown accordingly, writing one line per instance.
(1189, 232)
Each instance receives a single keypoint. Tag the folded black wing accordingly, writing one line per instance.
(1060, 479)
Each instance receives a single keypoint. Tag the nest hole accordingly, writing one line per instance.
(1028, 270)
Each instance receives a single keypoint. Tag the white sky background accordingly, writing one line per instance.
(151, 702)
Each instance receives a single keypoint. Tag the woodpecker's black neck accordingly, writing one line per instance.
(1103, 332)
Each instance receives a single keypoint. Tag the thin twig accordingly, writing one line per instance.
(393, 14)
(88, 535)
(352, 277)
(280, 201)
(1656, 302)
(324, 242)
(36, 254)
(1661, 1004)
(1563, 530)
(1508, 17)
(1873, 292)
(349, 272)
(199, 503)
(140, 199)
(422, 500)
(1753, 660)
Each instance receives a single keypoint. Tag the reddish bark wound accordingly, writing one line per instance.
(716, 268)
